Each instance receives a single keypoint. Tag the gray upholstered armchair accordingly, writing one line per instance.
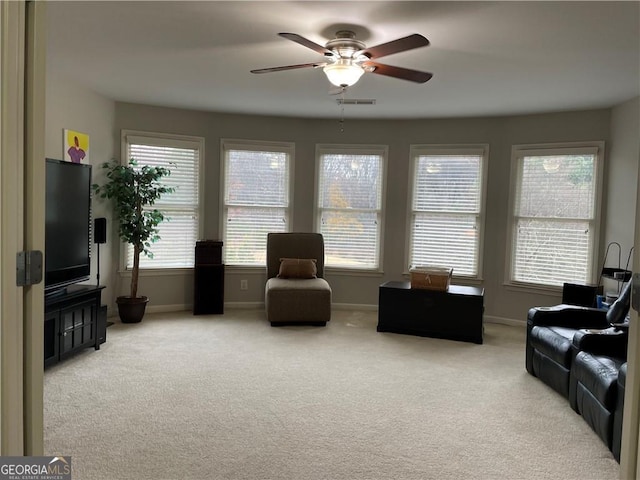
(296, 292)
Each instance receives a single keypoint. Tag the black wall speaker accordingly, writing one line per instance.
(100, 230)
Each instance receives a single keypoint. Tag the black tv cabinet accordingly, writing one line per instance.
(72, 322)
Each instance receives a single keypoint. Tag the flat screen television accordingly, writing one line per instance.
(67, 224)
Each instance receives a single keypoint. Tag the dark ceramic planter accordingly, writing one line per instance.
(131, 310)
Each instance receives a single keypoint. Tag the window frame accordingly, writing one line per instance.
(354, 149)
(519, 152)
(128, 136)
(417, 150)
(258, 146)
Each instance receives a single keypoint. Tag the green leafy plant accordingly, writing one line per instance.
(132, 190)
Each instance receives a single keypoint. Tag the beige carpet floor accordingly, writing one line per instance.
(229, 397)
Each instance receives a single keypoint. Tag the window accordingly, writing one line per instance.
(349, 204)
(447, 202)
(180, 230)
(555, 213)
(256, 183)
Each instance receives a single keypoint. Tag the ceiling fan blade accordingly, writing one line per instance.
(395, 46)
(288, 67)
(294, 37)
(398, 72)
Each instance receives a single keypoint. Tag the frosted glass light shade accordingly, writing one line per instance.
(343, 74)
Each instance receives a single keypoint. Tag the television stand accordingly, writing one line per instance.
(72, 322)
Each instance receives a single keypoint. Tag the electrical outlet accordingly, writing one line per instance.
(244, 284)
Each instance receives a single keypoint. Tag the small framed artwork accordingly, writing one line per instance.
(76, 146)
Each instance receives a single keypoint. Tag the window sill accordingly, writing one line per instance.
(349, 272)
(261, 269)
(248, 269)
(456, 280)
(158, 272)
(549, 290)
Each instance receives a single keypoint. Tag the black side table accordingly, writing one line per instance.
(455, 314)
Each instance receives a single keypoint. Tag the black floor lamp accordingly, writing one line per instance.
(99, 236)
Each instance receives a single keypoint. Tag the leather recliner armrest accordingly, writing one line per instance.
(609, 342)
(571, 316)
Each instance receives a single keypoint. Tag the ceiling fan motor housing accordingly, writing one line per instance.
(345, 44)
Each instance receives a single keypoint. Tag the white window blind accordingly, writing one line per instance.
(256, 198)
(179, 231)
(446, 207)
(555, 215)
(350, 187)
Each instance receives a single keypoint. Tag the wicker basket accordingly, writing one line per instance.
(431, 278)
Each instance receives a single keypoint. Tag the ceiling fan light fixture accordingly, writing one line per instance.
(343, 73)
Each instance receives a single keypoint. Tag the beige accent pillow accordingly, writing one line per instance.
(297, 268)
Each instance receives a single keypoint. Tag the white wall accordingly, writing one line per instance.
(71, 107)
(499, 132)
(622, 182)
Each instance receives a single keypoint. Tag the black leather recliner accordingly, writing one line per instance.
(581, 353)
(550, 332)
(617, 417)
(593, 381)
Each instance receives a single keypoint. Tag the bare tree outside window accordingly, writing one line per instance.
(446, 207)
(554, 218)
(256, 201)
(350, 203)
(178, 235)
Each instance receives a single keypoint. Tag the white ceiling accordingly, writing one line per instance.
(488, 58)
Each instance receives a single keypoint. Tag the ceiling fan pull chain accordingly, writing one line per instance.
(342, 111)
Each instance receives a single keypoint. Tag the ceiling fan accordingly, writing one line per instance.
(348, 59)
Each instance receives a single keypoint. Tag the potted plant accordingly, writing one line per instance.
(132, 190)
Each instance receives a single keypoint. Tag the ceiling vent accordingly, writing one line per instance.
(355, 101)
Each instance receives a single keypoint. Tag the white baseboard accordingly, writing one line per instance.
(355, 306)
(504, 321)
(487, 318)
(245, 305)
(168, 308)
(183, 307)
(113, 312)
(338, 306)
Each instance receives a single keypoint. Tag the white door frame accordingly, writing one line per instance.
(630, 448)
(22, 75)
(34, 221)
(11, 175)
